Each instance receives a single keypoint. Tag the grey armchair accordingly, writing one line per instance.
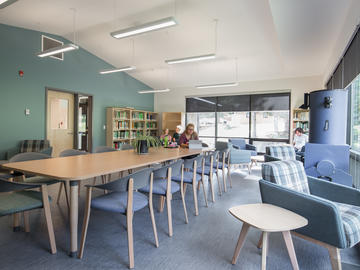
(242, 145)
(333, 210)
(238, 158)
(279, 152)
(41, 146)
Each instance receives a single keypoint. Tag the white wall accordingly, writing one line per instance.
(174, 101)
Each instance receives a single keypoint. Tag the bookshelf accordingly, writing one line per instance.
(301, 119)
(125, 124)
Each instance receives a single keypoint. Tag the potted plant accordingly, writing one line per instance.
(143, 142)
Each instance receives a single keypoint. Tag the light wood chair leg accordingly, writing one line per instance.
(290, 249)
(59, 193)
(129, 224)
(153, 223)
(85, 222)
(184, 185)
(195, 200)
(168, 206)
(16, 222)
(205, 196)
(335, 257)
(229, 175)
(259, 245)
(264, 250)
(218, 181)
(211, 188)
(224, 180)
(46, 205)
(161, 203)
(26, 221)
(240, 242)
(183, 201)
(249, 168)
(198, 186)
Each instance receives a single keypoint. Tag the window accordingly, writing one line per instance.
(260, 119)
(354, 87)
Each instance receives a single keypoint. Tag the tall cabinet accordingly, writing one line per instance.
(125, 124)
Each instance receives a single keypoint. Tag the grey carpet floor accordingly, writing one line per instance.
(207, 242)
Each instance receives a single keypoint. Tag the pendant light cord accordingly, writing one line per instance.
(74, 25)
(215, 35)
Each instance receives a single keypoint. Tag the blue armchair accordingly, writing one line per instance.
(279, 152)
(238, 158)
(332, 210)
(41, 146)
(242, 145)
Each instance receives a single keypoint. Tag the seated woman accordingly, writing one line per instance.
(165, 137)
(187, 135)
(176, 136)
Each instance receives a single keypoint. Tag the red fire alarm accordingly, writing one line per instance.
(21, 73)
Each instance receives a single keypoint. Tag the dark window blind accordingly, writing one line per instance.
(270, 102)
(329, 84)
(351, 66)
(337, 77)
(239, 103)
(201, 104)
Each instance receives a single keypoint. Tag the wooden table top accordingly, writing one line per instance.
(268, 217)
(87, 166)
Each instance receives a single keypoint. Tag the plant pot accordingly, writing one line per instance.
(142, 148)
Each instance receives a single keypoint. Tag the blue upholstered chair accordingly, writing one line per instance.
(211, 163)
(103, 149)
(191, 177)
(333, 210)
(16, 198)
(123, 198)
(164, 187)
(223, 148)
(66, 185)
(279, 152)
(242, 145)
(237, 158)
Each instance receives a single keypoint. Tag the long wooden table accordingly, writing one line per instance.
(79, 168)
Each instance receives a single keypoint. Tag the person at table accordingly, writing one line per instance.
(176, 136)
(165, 138)
(300, 139)
(187, 135)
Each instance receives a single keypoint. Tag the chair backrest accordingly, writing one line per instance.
(103, 149)
(28, 156)
(175, 169)
(7, 186)
(214, 155)
(221, 146)
(126, 146)
(287, 173)
(240, 143)
(189, 163)
(141, 179)
(33, 145)
(283, 152)
(72, 152)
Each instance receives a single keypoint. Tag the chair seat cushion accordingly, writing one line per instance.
(214, 165)
(188, 177)
(206, 170)
(117, 202)
(15, 202)
(350, 215)
(160, 186)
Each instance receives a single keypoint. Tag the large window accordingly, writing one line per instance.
(354, 88)
(260, 119)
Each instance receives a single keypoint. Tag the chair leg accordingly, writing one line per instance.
(168, 206)
(26, 221)
(335, 258)
(290, 249)
(129, 224)
(229, 175)
(94, 181)
(195, 200)
(218, 181)
(184, 188)
(240, 242)
(153, 223)
(49, 223)
(249, 168)
(161, 204)
(16, 222)
(205, 197)
(211, 188)
(198, 186)
(59, 193)
(183, 201)
(85, 222)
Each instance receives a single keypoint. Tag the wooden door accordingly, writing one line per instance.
(60, 120)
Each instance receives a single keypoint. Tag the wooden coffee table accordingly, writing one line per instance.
(267, 218)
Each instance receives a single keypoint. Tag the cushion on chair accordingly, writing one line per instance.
(117, 202)
(350, 215)
(283, 152)
(188, 177)
(160, 186)
(206, 170)
(289, 173)
(33, 145)
(15, 202)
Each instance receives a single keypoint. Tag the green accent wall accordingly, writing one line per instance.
(79, 72)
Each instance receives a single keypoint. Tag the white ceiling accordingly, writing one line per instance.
(270, 39)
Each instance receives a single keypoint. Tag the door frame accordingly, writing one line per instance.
(76, 109)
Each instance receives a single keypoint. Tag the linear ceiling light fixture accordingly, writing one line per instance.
(147, 27)
(108, 71)
(191, 59)
(58, 49)
(217, 85)
(5, 3)
(154, 91)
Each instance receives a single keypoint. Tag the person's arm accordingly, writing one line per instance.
(182, 141)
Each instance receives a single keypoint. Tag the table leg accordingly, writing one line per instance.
(291, 250)
(264, 250)
(240, 243)
(74, 215)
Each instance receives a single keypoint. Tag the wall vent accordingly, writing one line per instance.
(49, 43)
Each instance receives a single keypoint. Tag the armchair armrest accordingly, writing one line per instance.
(250, 147)
(270, 158)
(239, 156)
(12, 152)
(324, 219)
(334, 192)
